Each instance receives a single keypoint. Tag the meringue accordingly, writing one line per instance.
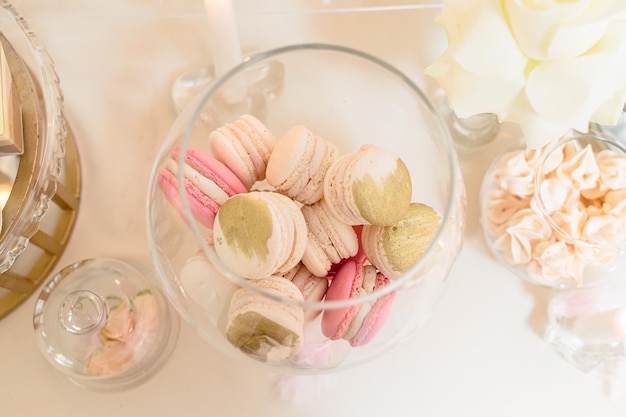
(612, 167)
(500, 206)
(513, 174)
(524, 231)
(555, 262)
(581, 170)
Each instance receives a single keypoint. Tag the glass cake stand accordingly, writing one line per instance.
(41, 187)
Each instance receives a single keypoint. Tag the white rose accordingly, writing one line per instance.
(547, 65)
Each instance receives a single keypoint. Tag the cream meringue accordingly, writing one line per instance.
(581, 170)
(555, 262)
(500, 206)
(524, 231)
(615, 203)
(513, 174)
(554, 194)
(549, 160)
(569, 221)
(603, 230)
(612, 167)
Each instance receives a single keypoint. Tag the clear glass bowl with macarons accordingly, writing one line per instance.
(306, 209)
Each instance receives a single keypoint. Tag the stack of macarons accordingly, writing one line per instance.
(306, 224)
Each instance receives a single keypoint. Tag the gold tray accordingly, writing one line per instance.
(39, 226)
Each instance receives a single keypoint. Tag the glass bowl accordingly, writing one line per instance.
(349, 98)
(104, 324)
(556, 215)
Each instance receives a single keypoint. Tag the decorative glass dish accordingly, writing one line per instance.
(350, 99)
(42, 182)
(104, 324)
(556, 215)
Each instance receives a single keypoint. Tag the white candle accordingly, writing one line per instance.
(224, 43)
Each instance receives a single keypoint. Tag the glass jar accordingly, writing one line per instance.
(556, 215)
(348, 98)
(104, 324)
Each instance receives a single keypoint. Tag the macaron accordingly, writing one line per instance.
(312, 287)
(395, 248)
(371, 186)
(329, 240)
(298, 164)
(268, 329)
(259, 233)
(208, 184)
(359, 257)
(358, 323)
(245, 147)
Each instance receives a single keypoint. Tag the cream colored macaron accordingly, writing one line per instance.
(267, 328)
(258, 234)
(245, 147)
(312, 287)
(299, 163)
(371, 186)
(329, 239)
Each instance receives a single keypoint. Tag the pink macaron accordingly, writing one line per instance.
(208, 184)
(244, 146)
(358, 323)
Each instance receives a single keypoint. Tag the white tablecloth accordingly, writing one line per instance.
(480, 354)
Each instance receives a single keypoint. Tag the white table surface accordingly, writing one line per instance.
(480, 354)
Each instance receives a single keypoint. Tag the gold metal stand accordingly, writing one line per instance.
(48, 247)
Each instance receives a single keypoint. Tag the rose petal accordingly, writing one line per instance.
(570, 91)
(549, 66)
(562, 29)
(470, 94)
(537, 130)
(500, 56)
